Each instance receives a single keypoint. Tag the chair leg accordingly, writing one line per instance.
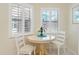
(58, 50)
(29, 53)
(18, 53)
(34, 52)
(64, 49)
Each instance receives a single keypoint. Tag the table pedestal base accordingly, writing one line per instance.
(41, 49)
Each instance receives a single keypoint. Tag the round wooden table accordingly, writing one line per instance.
(40, 43)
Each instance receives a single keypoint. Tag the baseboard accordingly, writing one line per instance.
(7, 53)
(71, 51)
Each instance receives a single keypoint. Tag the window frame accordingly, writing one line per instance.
(58, 17)
(75, 8)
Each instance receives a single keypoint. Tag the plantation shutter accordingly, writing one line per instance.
(21, 19)
(16, 17)
(27, 20)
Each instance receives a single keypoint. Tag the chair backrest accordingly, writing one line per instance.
(19, 42)
(60, 36)
(26, 39)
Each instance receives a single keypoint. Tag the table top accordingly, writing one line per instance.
(36, 39)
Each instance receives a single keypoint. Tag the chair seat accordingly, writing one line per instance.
(27, 48)
(57, 43)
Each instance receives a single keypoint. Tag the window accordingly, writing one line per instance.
(20, 19)
(75, 14)
(49, 18)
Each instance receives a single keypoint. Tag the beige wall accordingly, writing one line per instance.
(7, 46)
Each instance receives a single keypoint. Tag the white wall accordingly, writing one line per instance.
(73, 33)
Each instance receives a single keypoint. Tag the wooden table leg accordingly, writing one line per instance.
(41, 49)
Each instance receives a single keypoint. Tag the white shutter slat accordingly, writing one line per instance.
(27, 20)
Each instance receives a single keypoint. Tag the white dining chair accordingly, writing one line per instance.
(59, 41)
(22, 48)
